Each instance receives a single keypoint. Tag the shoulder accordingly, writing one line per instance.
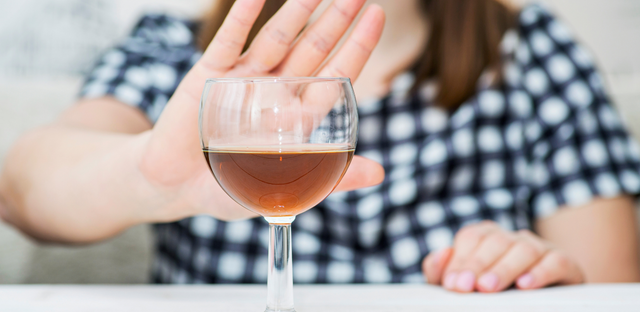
(543, 35)
(164, 30)
(533, 13)
(145, 69)
(550, 62)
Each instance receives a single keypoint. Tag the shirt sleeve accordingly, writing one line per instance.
(577, 146)
(146, 68)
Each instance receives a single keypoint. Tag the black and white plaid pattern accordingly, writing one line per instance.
(547, 137)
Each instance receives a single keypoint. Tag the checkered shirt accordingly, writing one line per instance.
(546, 137)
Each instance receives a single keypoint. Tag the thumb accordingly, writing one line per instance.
(362, 172)
(434, 263)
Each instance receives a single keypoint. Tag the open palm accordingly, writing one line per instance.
(173, 160)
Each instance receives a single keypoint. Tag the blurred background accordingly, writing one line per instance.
(47, 45)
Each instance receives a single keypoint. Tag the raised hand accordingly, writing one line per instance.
(172, 159)
(486, 258)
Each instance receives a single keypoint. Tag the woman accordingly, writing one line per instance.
(475, 110)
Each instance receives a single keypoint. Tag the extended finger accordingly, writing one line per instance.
(362, 172)
(355, 52)
(221, 54)
(319, 39)
(434, 263)
(554, 268)
(486, 254)
(273, 41)
(520, 257)
(227, 44)
(465, 242)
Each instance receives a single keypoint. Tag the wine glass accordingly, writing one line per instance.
(278, 147)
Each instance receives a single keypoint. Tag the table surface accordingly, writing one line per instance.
(371, 298)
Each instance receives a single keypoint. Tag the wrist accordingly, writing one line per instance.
(149, 200)
(156, 187)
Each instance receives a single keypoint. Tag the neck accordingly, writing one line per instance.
(402, 41)
(401, 44)
(404, 19)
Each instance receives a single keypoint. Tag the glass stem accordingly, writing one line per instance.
(280, 275)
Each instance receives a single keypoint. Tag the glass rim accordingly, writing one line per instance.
(276, 79)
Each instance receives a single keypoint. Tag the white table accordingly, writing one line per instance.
(370, 298)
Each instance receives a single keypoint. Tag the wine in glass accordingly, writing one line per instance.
(278, 147)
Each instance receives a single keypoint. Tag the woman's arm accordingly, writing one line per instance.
(601, 237)
(97, 171)
(77, 180)
(57, 181)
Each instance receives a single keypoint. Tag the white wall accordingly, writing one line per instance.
(45, 46)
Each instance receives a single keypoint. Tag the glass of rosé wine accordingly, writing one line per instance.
(278, 147)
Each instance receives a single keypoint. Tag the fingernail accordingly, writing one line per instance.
(525, 281)
(465, 281)
(450, 281)
(488, 282)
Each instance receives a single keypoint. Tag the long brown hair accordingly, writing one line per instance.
(464, 40)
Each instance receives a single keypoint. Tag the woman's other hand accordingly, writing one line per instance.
(172, 160)
(486, 258)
